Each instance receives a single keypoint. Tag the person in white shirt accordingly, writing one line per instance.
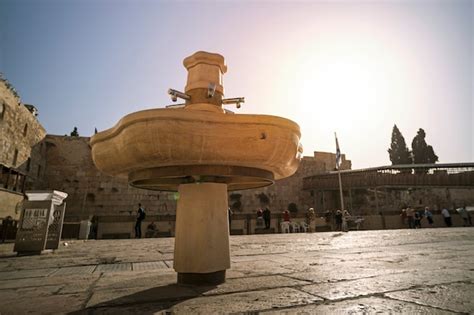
(447, 217)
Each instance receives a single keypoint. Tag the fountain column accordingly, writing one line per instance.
(201, 253)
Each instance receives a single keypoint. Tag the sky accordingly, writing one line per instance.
(351, 67)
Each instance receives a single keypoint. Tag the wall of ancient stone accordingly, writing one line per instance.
(19, 131)
(9, 204)
(69, 168)
(20, 152)
(289, 190)
(391, 200)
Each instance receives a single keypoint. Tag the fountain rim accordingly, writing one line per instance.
(190, 115)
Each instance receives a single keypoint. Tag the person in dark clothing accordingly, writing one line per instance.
(417, 217)
(140, 218)
(338, 218)
(267, 217)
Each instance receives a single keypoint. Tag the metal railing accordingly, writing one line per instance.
(440, 175)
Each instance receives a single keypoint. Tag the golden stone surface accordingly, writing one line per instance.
(160, 149)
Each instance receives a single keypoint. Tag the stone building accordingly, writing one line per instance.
(20, 150)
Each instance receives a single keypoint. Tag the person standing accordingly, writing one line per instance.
(447, 217)
(417, 216)
(259, 218)
(345, 218)
(267, 217)
(429, 216)
(403, 216)
(410, 217)
(310, 218)
(140, 218)
(338, 220)
(464, 215)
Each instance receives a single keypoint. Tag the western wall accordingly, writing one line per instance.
(69, 168)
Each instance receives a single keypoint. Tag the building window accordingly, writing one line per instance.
(15, 157)
(28, 164)
(25, 130)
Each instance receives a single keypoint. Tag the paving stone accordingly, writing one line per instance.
(137, 295)
(78, 270)
(53, 304)
(251, 301)
(456, 297)
(391, 271)
(47, 281)
(254, 283)
(370, 305)
(380, 284)
(113, 267)
(327, 273)
(138, 279)
(19, 274)
(260, 267)
(149, 265)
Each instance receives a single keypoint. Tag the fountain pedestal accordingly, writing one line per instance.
(202, 151)
(201, 253)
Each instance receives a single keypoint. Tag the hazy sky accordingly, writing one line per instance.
(355, 68)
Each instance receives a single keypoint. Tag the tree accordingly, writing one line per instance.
(75, 133)
(398, 151)
(422, 152)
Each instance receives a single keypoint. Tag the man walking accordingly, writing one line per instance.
(140, 218)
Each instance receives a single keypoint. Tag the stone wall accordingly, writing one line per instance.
(20, 131)
(9, 204)
(289, 190)
(20, 149)
(390, 200)
(69, 168)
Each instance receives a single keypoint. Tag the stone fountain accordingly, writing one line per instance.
(202, 151)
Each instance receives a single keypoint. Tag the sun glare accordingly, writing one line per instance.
(336, 88)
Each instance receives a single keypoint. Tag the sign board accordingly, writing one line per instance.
(41, 222)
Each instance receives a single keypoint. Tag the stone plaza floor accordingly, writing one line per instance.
(360, 272)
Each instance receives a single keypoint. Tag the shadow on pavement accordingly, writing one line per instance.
(150, 301)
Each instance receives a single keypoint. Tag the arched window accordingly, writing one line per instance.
(25, 130)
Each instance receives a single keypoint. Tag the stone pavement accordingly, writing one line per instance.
(360, 272)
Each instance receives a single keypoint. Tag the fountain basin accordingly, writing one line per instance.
(160, 149)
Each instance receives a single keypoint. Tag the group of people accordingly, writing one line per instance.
(341, 218)
(414, 218)
(408, 216)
